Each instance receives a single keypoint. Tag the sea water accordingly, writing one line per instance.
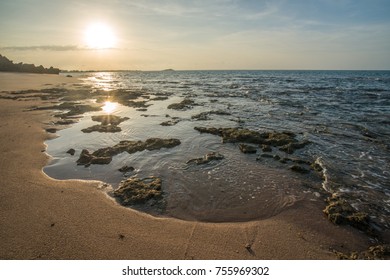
(344, 114)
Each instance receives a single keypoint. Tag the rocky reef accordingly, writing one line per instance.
(104, 155)
(340, 212)
(135, 191)
(183, 105)
(206, 158)
(108, 123)
(285, 140)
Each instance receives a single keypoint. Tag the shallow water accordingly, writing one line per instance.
(345, 115)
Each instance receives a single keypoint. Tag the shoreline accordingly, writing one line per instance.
(44, 218)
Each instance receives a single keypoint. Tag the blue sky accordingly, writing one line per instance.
(220, 34)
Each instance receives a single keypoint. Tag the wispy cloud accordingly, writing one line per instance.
(54, 48)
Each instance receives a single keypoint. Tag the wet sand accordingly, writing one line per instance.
(43, 218)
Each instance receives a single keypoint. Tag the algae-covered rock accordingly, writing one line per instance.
(292, 146)
(376, 252)
(205, 115)
(126, 168)
(299, 169)
(244, 135)
(135, 191)
(102, 128)
(340, 212)
(207, 158)
(86, 158)
(109, 124)
(183, 105)
(247, 149)
(104, 155)
(109, 119)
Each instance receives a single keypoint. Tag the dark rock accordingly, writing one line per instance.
(86, 158)
(205, 115)
(102, 128)
(247, 149)
(206, 159)
(266, 156)
(299, 169)
(126, 168)
(104, 155)
(71, 151)
(135, 191)
(266, 148)
(170, 123)
(109, 124)
(340, 212)
(291, 147)
(51, 130)
(276, 157)
(234, 135)
(183, 105)
(109, 119)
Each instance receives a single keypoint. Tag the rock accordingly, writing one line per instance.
(291, 147)
(86, 158)
(109, 119)
(205, 115)
(109, 124)
(104, 155)
(126, 168)
(247, 149)
(135, 191)
(340, 212)
(51, 130)
(234, 135)
(183, 105)
(71, 151)
(170, 123)
(266, 148)
(299, 169)
(207, 158)
(102, 128)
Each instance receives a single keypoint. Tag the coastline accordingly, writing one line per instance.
(43, 218)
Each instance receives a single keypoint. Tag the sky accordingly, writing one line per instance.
(197, 35)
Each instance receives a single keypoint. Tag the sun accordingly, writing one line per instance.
(109, 107)
(99, 36)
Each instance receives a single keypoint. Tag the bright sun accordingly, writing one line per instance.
(99, 36)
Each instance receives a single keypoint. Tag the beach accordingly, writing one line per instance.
(44, 218)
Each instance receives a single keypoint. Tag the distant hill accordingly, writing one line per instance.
(7, 65)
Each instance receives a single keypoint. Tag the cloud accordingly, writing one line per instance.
(54, 48)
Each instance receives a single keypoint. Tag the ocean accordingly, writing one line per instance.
(342, 116)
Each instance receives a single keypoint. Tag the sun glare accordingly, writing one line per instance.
(109, 107)
(99, 36)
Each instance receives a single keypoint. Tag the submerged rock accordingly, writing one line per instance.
(126, 168)
(71, 152)
(104, 155)
(109, 124)
(170, 122)
(205, 115)
(109, 119)
(247, 149)
(299, 169)
(183, 105)
(102, 128)
(207, 158)
(291, 147)
(135, 191)
(234, 135)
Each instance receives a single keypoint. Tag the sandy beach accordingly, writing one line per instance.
(43, 218)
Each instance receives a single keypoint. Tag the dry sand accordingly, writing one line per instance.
(43, 218)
